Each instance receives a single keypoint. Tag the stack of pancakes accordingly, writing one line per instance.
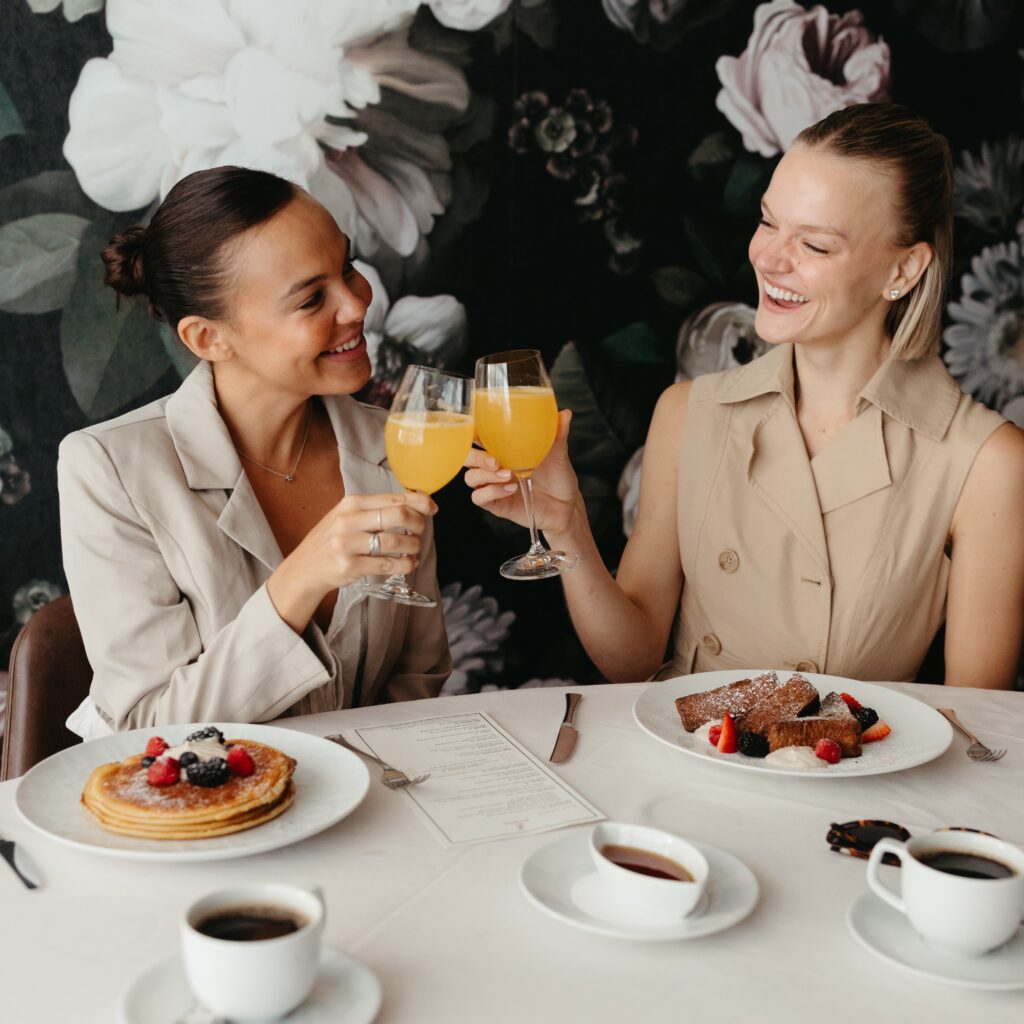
(122, 799)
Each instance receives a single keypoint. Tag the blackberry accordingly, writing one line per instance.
(753, 744)
(866, 717)
(209, 732)
(208, 773)
(148, 760)
(187, 758)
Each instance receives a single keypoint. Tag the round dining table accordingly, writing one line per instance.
(450, 934)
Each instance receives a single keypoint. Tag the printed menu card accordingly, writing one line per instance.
(483, 784)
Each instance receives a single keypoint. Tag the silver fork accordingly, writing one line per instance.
(391, 777)
(977, 751)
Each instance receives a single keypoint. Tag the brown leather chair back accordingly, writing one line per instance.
(49, 677)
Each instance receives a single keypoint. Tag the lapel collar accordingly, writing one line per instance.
(778, 469)
(772, 373)
(200, 437)
(359, 430)
(854, 463)
(918, 393)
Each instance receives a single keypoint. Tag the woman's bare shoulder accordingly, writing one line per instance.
(995, 483)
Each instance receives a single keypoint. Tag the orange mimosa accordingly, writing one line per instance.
(427, 448)
(516, 425)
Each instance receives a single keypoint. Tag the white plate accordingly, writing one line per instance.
(560, 879)
(888, 934)
(345, 992)
(919, 733)
(330, 782)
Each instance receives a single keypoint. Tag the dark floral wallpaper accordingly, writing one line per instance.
(579, 176)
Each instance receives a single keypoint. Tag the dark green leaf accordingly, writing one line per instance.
(679, 286)
(708, 160)
(110, 356)
(38, 259)
(636, 343)
(49, 192)
(743, 190)
(10, 123)
(702, 253)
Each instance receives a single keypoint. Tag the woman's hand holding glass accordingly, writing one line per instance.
(556, 493)
(364, 534)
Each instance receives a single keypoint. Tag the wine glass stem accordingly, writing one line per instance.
(526, 485)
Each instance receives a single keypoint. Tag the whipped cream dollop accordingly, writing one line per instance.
(205, 749)
(795, 757)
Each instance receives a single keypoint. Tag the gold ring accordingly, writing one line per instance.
(374, 545)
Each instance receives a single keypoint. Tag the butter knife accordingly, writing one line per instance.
(567, 733)
(7, 851)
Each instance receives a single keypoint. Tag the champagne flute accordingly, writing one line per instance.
(516, 420)
(427, 436)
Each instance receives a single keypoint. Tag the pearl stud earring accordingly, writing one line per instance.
(894, 293)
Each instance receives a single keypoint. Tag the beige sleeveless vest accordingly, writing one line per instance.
(834, 564)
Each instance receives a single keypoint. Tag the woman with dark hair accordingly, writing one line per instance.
(210, 538)
(828, 506)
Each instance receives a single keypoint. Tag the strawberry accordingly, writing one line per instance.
(727, 743)
(156, 746)
(240, 761)
(851, 702)
(828, 750)
(877, 732)
(714, 733)
(162, 772)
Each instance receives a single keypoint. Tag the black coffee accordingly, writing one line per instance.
(250, 924)
(967, 865)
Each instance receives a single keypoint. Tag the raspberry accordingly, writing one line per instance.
(866, 716)
(851, 702)
(753, 744)
(209, 732)
(208, 773)
(714, 734)
(828, 750)
(240, 761)
(162, 772)
(156, 746)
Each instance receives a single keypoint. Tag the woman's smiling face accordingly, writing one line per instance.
(824, 252)
(297, 304)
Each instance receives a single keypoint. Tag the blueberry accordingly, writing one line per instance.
(147, 760)
(866, 717)
(752, 744)
(188, 758)
(209, 732)
(208, 773)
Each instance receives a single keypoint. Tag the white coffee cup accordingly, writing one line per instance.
(261, 979)
(969, 916)
(668, 897)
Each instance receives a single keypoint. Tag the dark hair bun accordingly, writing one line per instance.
(123, 259)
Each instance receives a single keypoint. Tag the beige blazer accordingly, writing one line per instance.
(835, 564)
(167, 553)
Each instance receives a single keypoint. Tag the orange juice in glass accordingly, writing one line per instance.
(427, 436)
(516, 419)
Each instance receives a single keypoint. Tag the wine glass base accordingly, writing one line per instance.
(398, 593)
(541, 566)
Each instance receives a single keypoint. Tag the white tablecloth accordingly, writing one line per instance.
(451, 937)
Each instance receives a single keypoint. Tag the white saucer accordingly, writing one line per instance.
(346, 992)
(888, 934)
(560, 879)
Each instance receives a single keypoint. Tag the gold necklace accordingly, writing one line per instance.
(288, 477)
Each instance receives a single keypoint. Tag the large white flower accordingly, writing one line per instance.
(718, 337)
(299, 89)
(990, 187)
(468, 15)
(628, 490)
(986, 339)
(476, 630)
(73, 9)
(799, 66)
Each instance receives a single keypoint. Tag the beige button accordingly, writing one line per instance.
(806, 666)
(712, 643)
(728, 560)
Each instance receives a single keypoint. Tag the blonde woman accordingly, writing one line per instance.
(829, 506)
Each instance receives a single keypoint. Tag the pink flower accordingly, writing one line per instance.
(799, 66)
